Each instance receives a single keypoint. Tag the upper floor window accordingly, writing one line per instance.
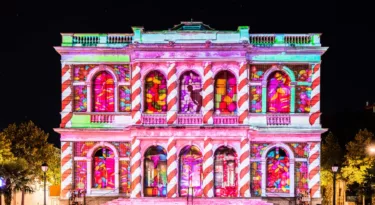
(278, 93)
(190, 93)
(103, 92)
(155, 93)
(225, 93)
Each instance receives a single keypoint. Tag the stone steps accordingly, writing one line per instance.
(182, 201)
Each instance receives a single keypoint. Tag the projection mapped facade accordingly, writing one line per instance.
(191, 111)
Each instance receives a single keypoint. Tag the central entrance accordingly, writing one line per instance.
(190, 171)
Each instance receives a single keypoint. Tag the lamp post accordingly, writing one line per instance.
(45, 168)
(335, 167)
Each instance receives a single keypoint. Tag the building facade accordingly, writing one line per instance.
(192, 111)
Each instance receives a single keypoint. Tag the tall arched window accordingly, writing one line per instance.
(225, 93)
(103, 92)
(225, 172)
(104, 169)
(155, 172)
(191, 171)
(190, 93)
(278, 178)
(155, 93)
(278, 93)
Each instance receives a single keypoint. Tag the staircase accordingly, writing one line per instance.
(182, 201)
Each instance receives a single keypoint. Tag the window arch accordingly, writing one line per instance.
(225, 93)
(225, 172)
(278, 92)
(104, 169)
(190, 171)
(190, 93)
(155, 171)
(155, 93)
(278, 171)
(103, 92)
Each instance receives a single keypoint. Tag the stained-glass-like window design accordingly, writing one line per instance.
(303, 96)
(278, 180)
(255, 99)
(301, 179)
(103, 169)
(190, 93)
(103, 92)
(155, 93)
(304, 75)
(278, 96)
(225, 93)
(155, 181)
(81, 71)
(81, 148)
(190, 171)
(80, 98)
(80, 174)
(225, 172)
(301, 150)
(256, 178)
(125, 99)
(257, 72)
(124, 149)
(257, 149)
(123, 72)
(125, 177)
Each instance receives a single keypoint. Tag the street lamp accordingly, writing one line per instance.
(335, 167)
(45, 168)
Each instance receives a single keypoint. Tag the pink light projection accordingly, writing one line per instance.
(225, 172)
(155, 93)
(155, 182)
(225, 93)
(104, 166)
(278, 93)
(278, 180)
(191, 171)
(190, 93)
(103, 89)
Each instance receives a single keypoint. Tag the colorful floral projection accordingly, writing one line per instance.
(104, 165)
(256, 178)
(225, 93)
(257, 150)
(81, 148)
(257, 72)
(301, 150)
(80, 174)
(225, 172)
(81, 71)
(256, 99)
(191, 171)
(190, 93)
(125, 98)
(303, 95)
(155, 182)
(278, 180)
(80, 98)
(103, 92)
(125, 175)
(304, 75)
(123, 72)
(301, 177)
(155, 93)
(278, 88)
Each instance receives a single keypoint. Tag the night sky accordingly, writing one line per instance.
(30, 81)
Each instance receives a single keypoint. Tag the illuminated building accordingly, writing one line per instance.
(234, 115)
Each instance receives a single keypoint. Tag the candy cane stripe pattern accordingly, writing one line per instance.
(245, 168)
(243, 101)
(172, 168)
(315, 100)
(135, 168)
(172, 94)
(208, 94)
(136, 93)
(208, 168)
(314, 170)
(67, 96)
(66, 169)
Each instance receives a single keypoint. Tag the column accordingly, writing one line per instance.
(135, 168)
(208, 94)
(172, 168)
(172, 94)
(136, 93)
(314, 169)
(244, 182)
(243, 93)
(66, 169)
(315, 100)
(208, 168)
(66, 96)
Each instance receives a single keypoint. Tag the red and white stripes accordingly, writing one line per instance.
(136, 93)
(315, 100)
(172, 168)
(67, 96)
(172, 94)
(208, 94)
(245, 168)
(314, 170)
(135, 168)
(66, 169)
(208, 168)
(243, 89)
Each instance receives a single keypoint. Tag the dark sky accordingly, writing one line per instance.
(30, 67)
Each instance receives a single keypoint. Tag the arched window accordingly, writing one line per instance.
(155, 172)
(225, 93)
(278, 93)
(155, 93)
(190, 93)
(104, 169)
(225, 172)
(103, 92)
(191, 171)
(278, 178)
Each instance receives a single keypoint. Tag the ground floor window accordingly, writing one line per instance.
(155, 168)
(103, 169)
(278, 180)
(191, 171)
(225, 172)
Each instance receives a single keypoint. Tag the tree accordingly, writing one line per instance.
(5, 149)
(54, 166)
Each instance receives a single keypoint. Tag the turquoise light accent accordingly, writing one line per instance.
(286, 57)
(292, 99)
(264, 99)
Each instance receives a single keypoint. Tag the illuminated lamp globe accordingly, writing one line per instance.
(44, 167)
(335, 167)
